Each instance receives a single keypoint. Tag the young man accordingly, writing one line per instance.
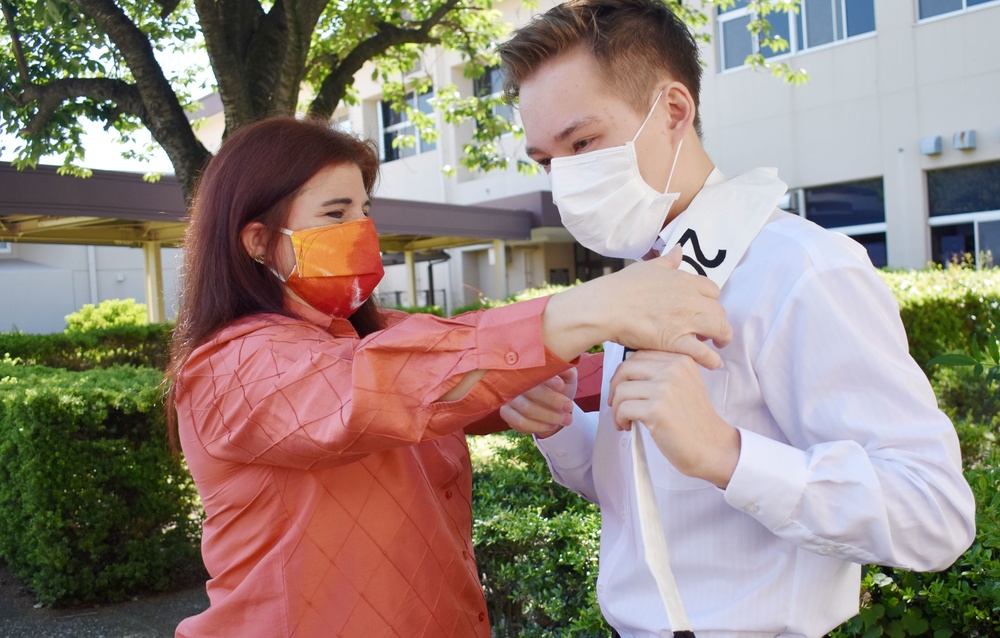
(816, 447)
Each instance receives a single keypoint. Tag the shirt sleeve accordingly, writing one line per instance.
(871, 471)
(588, 394)
(289, 394)
(570, 454)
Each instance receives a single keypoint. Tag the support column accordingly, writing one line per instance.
(500, 268)
(411, 276)
(154, 281)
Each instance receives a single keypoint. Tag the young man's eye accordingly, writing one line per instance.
(581, 145)
(544, 163)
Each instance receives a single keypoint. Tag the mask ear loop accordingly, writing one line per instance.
(648, 115)
(679, 144)
(276, 273)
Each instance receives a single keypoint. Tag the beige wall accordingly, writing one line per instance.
(864, 110)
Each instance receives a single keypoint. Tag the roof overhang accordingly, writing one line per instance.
(121, 209)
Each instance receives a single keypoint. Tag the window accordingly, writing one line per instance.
(931, 8)
(818, 22)
(343, 124)
(590, 265)
(5, 247)
(964, 212)
(490, 85)
(856, 209)
(397, 124)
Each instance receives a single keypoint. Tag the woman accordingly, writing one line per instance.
(325, 435)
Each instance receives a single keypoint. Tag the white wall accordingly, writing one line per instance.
(42, 283)
(863, 112)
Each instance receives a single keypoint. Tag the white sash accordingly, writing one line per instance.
(715, 231)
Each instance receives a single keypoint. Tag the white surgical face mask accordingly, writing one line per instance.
(604, 202)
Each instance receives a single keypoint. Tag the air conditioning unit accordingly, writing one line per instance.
(792, 201)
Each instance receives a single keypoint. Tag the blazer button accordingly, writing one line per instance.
(482, 616)
(510, 358)
(447, 494)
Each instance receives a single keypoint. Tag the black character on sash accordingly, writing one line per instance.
(700, 261)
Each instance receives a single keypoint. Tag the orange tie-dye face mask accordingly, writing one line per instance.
(336, 267)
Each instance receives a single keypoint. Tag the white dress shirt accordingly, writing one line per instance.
(845, 457)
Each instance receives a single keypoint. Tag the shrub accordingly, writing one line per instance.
(110, 313)
(963, 601)
(141, 346)
(430, 310)
(93, 506)
(536, 544)
(942, 308)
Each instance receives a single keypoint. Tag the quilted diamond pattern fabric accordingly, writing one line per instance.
(337, 489)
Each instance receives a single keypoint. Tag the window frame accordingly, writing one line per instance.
(496, 92)
(950, 14)
(390, 153)
(798, 33)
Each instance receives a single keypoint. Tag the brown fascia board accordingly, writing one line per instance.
(405, 217)
(543, 211)
(110, 194)
(120, 195)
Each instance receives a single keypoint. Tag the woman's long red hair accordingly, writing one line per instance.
(254, 177)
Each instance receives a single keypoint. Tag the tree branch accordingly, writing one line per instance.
(335, 84)
(15, 37)
(49, 96)
(165, 117)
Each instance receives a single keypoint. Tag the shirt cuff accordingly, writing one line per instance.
(571, 447)
(510, 337)
(769, 480)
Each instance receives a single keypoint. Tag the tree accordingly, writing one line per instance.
(66, 61)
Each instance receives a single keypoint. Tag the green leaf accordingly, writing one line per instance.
(952, 360)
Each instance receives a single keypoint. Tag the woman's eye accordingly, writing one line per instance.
(580, 145)
(336, 214)
(544, 163)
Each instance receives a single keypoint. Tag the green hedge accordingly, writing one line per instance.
(142, 346)
(93, 506)
(536, 544)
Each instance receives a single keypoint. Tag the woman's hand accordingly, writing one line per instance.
(545, 409)
(648, 305)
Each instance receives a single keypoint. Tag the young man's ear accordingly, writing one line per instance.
(680, 106)
(254, 238)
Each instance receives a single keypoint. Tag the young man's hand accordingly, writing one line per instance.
(666, 393)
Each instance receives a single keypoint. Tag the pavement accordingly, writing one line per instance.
(152, 616)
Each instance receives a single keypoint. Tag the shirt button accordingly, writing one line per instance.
(447, 494)
(624, 442)
(600, 589)
(510, 358)
(826, 550)
(482, 616)
(752, 508)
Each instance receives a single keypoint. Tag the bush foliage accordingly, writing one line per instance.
(110, 313)
(93, 505)
(141, 346)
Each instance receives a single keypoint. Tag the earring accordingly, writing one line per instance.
(259, 258)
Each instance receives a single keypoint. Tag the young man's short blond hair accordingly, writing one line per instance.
(635, 43)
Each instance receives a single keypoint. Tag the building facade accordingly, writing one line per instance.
(894, 140)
